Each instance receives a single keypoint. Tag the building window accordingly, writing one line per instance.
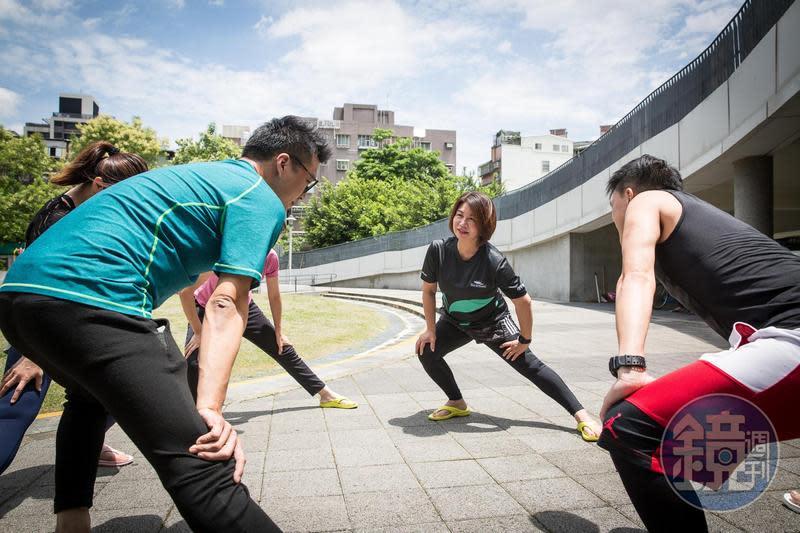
(342, 164)
(53, 152)
(556, 148)
(537, 146)
(545, 167)
(342, 141)
(425, 145)
(564, 148)
(365, 141)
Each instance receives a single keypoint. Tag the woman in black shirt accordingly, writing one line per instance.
(473, 276)
(24, 385)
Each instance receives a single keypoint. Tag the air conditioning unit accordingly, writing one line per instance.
(449, 146)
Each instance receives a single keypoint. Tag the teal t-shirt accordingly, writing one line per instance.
(137, 243)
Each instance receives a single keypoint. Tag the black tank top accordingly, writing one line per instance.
(53, 211)
(726, 271)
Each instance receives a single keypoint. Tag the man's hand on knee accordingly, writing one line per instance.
(629, 380)
(220, 443)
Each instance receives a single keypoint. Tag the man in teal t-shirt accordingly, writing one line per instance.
(79, 303)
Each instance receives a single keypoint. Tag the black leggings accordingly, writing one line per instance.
(132, 368)
(449, 337)
(657, 504)
(261, 332)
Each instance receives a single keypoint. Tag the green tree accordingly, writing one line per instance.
(393, 187)
(210, 147)
(17, 208)
(133, 137)
(22, 160)
(23, 190)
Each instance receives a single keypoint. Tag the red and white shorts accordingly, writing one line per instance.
(762, 366)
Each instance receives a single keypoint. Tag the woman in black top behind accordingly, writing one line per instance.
(471, 274)
(24, 385)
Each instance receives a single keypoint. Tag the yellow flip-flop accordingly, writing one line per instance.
(451, 412)
(339, 403)
(588, 437)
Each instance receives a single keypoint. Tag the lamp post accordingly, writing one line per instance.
(290, 223)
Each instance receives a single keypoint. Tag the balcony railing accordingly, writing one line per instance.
(488, 168)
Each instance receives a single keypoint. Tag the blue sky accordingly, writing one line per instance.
(475, 66)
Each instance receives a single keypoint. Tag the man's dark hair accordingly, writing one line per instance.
(646, 173)
(290, 134)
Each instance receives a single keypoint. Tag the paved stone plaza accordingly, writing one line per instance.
(516, 464)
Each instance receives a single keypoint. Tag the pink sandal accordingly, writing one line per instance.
(113, 458)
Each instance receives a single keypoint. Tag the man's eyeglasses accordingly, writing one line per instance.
(309, 183)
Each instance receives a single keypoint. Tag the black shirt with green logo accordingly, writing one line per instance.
(472, 290)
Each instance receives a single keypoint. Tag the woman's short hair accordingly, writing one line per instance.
(482, 209)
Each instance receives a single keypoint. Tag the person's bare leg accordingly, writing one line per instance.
(458, 404)
(74, 521)
(593, 425)
(326, 394)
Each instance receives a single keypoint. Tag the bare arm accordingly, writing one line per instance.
(637, 284)
(429, 307)
(276, 308)
(524, 308)
(275, 305)
(188, 303)
(225, 320)
(635, 288)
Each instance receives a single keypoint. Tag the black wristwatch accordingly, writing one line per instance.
(617, 362)
(523, 340)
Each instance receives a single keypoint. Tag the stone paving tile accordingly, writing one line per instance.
(309, 513)
(298, 441)
(599, 520)
(507, 524)
(608, 487)
(144, 520)
(32, 501)
(46, 523)
(321, 482)
(377, 478)
(555, 494)
(345, 423)
(132, 495)
(367, 456)
(431, 527)
(432, 449)
(715, 523)
(502, 445)
(589, 460)
(768, 509)
(370, 510)
(283, 460)
(358, 438)
(792, 464)
(451, 474)
(396, 433)
(520, 468)
(479, 501)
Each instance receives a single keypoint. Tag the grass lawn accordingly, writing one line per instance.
(316, 326)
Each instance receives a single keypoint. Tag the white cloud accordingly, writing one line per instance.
(9, 102)
(380, 42)
(504, 47)
(263, 24)
(91, 23)
(176, 4)
(216, 3)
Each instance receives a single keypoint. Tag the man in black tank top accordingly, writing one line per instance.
(743, 284)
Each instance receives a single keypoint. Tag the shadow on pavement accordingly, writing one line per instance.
(419, 425)
(562, 521)
(240, 417)
(17, 486)
(139, 524)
